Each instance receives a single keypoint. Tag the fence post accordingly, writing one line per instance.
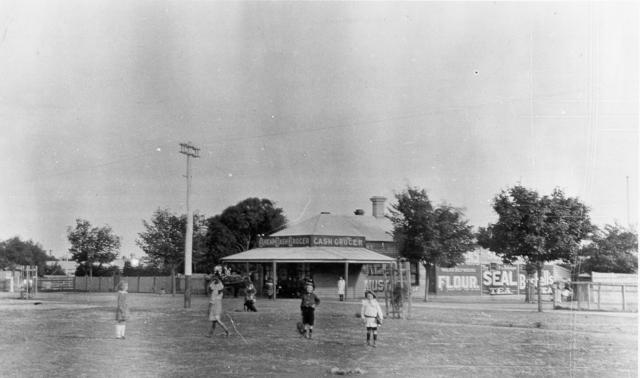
(589, 296)
(624, 307)
(408, 273)
(154, 285)
(138, 283)
(599, 286)
(99, 284)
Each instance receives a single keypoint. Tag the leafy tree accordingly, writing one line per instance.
(15, 252)
(163, 240)
(536, 229)
(427, 235)
(97, 270)
(54, 270)
(91, 245)
(219, 242)
(613, 250)
(142, 270)
(239, 227)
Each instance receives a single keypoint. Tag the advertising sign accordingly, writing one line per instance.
(284, 241)
(502, 279)
(310, 241)
(462, 279)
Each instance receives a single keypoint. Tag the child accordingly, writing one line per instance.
(308, 307)
(249, 296)
(341, 284)
(122, 310)
(215, 304)
(372, 315)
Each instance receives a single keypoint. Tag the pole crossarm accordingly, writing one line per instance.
(189, 150)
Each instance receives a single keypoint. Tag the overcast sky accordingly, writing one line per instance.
(315, 105)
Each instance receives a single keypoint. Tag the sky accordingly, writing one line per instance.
(317, 106)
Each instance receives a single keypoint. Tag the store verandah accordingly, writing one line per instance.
(323, 265)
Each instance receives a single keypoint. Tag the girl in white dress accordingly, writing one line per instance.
(372, 315)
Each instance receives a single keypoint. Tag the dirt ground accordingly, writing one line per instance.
(72, 334)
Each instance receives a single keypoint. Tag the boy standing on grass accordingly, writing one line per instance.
(122, 310)
(215, 304)
(308, 307)
(249, 295)
(372, 315)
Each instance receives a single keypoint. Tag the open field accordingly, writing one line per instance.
(72, 334)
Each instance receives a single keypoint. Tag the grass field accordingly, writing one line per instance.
(73, 335)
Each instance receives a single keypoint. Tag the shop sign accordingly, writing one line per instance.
(376, 286)
(310, 241)
(502, 280)
(337, 241)
(512, 279)
(462, 279)
(283, 241)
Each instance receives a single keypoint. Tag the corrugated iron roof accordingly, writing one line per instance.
(372, 228)
(310, 255)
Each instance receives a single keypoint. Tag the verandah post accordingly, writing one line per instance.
(346, 280)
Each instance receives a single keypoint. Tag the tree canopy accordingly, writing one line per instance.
(15, 252)
(239, 227)
(431, 236)
(612, 250)
(91, 245)
(536, 228)
(164, 238)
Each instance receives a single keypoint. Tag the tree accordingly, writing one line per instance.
(427, 235)
(612, 250)
(15, 252)
(53, 270)
(163, 240)
(91, 245)
(536, 229)
(97, 271)
(141, 270)
(219, 242)
(239, 227)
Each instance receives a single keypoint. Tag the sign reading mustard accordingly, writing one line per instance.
(310, 241)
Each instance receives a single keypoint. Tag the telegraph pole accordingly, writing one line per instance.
(191, 152)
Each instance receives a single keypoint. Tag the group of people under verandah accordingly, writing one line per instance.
(287, 288)
(370, 312)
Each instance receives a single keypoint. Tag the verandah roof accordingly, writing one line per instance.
(315, 254)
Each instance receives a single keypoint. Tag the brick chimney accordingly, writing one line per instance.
(378, 206)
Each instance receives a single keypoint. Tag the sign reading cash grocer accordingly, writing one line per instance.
(311, 241)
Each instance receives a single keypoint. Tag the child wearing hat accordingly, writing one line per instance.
(372, 315)
(216, 289)
(308, 307)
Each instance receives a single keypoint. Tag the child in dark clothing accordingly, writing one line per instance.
(249, 296)
(308, 307)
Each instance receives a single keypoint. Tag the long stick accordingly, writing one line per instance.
(236, 329)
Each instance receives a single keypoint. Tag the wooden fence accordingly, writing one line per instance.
(601, 296)
(109, 284)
